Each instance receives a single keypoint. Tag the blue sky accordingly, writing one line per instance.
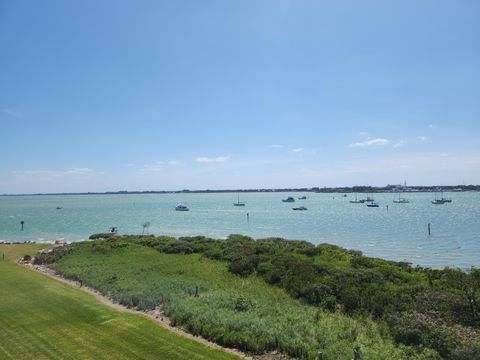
(167, 95)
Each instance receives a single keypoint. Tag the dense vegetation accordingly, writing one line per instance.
(42, 318)
(240, 292)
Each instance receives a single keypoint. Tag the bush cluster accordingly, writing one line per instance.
(420, 308)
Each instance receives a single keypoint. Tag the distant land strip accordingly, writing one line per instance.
(348, 189)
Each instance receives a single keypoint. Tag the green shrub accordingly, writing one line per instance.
(356, 300)
(241, 266)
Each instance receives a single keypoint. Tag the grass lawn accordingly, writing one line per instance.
(41, 318)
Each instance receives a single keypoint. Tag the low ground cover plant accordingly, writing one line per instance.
(289, 296)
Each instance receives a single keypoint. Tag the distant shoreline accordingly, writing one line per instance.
(352, 189)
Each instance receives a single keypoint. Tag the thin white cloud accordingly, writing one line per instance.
(217, 159)
(276, 146)
(77, 171)
(422, 138)
(54, 173)
(363, 133)
(398, 144)
(433, 126)
(160, 165)
(152, 167)
(262, 162)
(170, 162)
(371, 142)
(297, 150)
(430, 164)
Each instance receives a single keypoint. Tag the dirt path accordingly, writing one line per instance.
(156, 315)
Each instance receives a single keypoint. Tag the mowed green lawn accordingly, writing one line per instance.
(41, 318)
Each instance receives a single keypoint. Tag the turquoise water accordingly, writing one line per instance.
(397, 234)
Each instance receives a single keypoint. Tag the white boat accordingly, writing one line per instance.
(373, 204)
(401, 200)
(289, 199)
(182, 207)
(356, 201)
(238, 203)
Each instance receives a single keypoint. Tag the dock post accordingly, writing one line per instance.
(22, 223)
(428, 229)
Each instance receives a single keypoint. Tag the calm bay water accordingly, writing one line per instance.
(397, 234)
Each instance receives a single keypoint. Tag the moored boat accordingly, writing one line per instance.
(401, 200)
(356, 201)
(441, 200)
(238, 203)
(182, 207)
(300, 208)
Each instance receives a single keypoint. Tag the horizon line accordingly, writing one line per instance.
(326, 189)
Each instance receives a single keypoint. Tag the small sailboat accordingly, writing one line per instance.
(401, 200)
(447, 200)
(356, 201)
(441, 200)
(238, 203)
(302, 198)
(438, 201)
(289, 199)
(373, 204)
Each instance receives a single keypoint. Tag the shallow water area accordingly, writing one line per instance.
(397, 233)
